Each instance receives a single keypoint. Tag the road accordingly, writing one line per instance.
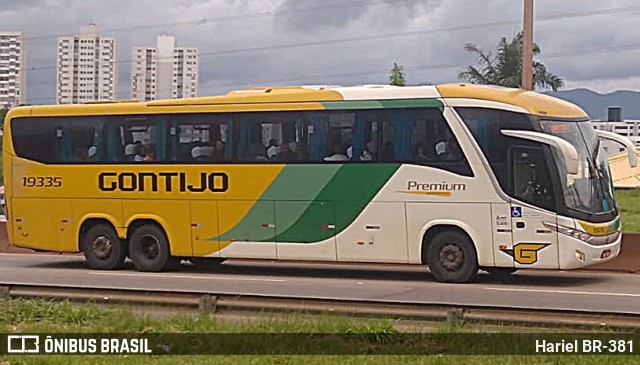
(561, 290)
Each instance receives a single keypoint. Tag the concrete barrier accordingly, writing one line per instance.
(627, 261)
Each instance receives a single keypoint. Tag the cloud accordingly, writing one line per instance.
(218, 27)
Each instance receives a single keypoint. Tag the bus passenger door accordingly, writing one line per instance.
(305, 230)
(502, 234)
(204, 228)
(534, 244)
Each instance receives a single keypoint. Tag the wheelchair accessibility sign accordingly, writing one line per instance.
(516, 212)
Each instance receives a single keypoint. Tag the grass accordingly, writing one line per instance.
(629, 206)
(20, 316)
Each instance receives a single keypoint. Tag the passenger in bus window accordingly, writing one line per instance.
(388, 154)
(150, 152)
(272, 149)
(218, 151)
(132, 153)
(448, 150)
(286, 154)
(258, 152)
(92, 151)
(419, 154)
(364, 156)
(202, 153)
(338, 154)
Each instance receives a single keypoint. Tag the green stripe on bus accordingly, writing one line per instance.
(311, 203)
(412, 103)
(351, 105)
(348, 193)
(296, 183)
(383, 104)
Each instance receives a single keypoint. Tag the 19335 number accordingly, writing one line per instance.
(42, 181)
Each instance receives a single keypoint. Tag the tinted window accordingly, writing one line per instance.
(420, 136)
(35, 139)
(485, 126)
(531, 180)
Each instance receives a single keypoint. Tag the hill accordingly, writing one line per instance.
(596, 105)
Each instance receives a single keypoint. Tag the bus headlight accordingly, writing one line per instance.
(571, 232)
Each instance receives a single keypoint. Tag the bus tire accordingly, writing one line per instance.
(451, 257)
(103, 249)
(149, 249)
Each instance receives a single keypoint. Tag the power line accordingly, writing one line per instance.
(628, 47)
(415, 68)
(386, 35)
(210, 20)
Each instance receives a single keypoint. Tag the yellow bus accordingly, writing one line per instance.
(457, 177)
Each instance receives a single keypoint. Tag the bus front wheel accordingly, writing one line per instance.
(452, 258)
(102, 248)
(149, 249)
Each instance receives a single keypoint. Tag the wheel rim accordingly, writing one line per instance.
(149, 247)
(451, 257)
(102, 247)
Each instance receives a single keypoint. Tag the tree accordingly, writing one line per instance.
(397, 75)
(3, 113)
(505, 69)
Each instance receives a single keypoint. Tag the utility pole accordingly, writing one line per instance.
(527, 46)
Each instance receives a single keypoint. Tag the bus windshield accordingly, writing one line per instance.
(590, 191)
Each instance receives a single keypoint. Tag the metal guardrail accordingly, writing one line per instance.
(225, 303)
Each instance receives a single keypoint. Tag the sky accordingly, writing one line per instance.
(243, 43)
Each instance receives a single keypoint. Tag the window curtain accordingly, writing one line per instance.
(299, 129)
(228, 147)
(358, 137)
(174, 131)
(161, 141)
(403, 124)
(319, 137)
(244, 147)
(482, 126)
(113, 144)
(100, 142)
(66, 150)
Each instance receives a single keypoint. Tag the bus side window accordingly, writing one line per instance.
(77, 139)
(36, 139)
(317, 132)
(364, 140)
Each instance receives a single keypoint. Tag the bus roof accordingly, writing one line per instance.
(323, 97)
(533, 102)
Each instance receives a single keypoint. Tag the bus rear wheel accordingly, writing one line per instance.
(103, 249)
(452, 258)
(149, 249)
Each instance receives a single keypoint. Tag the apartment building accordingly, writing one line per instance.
(164, 72)
(13, 77)
(87, 67)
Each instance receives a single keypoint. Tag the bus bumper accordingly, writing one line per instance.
(575, 253)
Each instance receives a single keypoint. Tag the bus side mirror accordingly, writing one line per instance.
(570, 154)
(626, 142)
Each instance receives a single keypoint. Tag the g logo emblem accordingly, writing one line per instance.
(525, 253)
